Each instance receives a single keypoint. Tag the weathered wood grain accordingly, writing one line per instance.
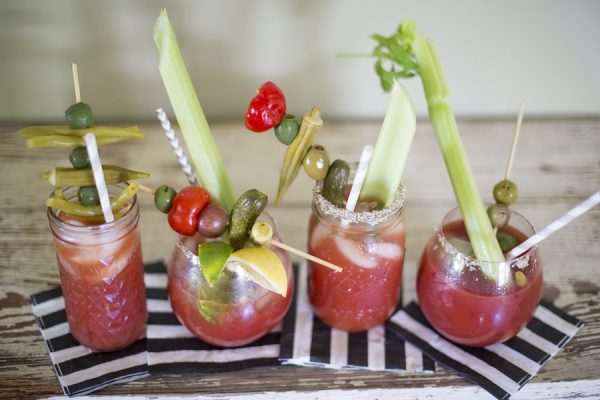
(556, 165)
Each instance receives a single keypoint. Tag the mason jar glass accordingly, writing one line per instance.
(369, 246)
(101, 275)
(472, 302)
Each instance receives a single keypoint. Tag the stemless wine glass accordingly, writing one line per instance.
(101, 275)
(233, 311)
(369, 246)
(477, 303)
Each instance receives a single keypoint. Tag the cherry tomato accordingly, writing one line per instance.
(186, 208)
(266, 109)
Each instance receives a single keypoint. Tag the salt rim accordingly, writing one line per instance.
(372, 218)
(463, 260)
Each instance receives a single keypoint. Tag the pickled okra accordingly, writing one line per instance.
(131, 132)
(63, 136)
(63, 176)
(294, 156)
(59, 202)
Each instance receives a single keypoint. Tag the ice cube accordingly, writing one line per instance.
(390, 251)
(462, 245)
(106, 259)
(318, 234)
(353, 252)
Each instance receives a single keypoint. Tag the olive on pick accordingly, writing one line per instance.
(499, 215)
(316, 162)
(506, 192)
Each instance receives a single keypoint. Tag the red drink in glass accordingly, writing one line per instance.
(102, 277)
(369, 246)
(465, 305)
(235, 310)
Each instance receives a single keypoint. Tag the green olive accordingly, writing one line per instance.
(287, 129)
(316, 162)
(79, 157)
(88, 196)
(163, 198)
(506, 192)
(79, 115)
(499, 215)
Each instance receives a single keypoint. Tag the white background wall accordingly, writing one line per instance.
(494, 53)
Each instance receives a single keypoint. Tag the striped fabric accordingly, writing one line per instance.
(79, 369)
(173, 349)
(307, 341)
(501, 369)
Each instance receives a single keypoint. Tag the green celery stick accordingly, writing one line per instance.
(412, 54)
(391, 150)
(201, 145)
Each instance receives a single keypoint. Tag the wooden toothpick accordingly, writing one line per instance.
(76, 83)
(302, 254)
(145, 188)
(513, 148)
(511, 155)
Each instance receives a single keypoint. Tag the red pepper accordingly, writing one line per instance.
(266, 109)
(186, 208)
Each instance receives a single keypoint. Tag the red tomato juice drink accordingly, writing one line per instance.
(102, 276)
(235, 310)
(369, 246)
(461, 301)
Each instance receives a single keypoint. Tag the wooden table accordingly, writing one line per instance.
(557, 165)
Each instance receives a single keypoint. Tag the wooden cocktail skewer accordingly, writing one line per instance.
(145, 189)
(76, 82)
(302, 254)
(511, 155)
(513, 148)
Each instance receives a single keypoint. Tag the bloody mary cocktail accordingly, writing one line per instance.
(369, 246)
(102, 276)
(233, 311)
(465, 305)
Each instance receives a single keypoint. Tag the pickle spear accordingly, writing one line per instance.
(62, 176)
(294, 156)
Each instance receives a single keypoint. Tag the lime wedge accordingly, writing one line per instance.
(213, 257)
(264, 268)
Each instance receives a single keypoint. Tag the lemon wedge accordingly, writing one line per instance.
(264, 267)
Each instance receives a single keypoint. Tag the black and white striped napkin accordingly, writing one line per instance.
(79, 369)
(307, 341)
(174, 350)
(501, 369)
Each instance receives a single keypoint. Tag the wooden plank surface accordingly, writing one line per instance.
(557, 164)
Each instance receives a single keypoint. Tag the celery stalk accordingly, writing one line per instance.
(391, 150)
(414, 54)
(201, 145)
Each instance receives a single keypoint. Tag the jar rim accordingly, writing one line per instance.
(520, 261)
(372, 218)
(72, 232)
